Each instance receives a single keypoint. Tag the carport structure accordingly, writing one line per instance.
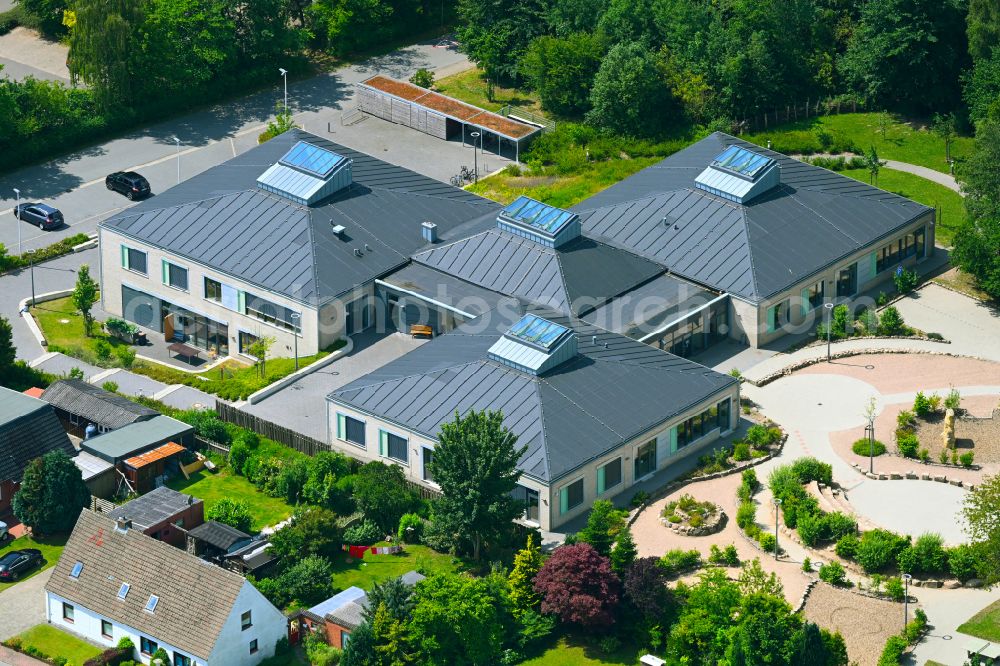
(438, 115)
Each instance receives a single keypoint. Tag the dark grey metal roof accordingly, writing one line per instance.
(154, 507)
(29, 428)
(574, 278)
(431, 284)
(814, 218)
(648, 308)
(222, 220)
(218, 534)
(611, 392)
(94, 404)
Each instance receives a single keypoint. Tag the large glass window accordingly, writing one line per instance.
(847, 281)
(147, 646)
(609, 476)
(272, 313)
(701, 424)
(571, 496)
(246, 341)
(428, 458)
(528, 499)
(815, 295)
(351, 430)
(135, 260)
(919, 241)
(645, 459)
(394, 446)
(722, 415)
(213, 290)
(176, 276)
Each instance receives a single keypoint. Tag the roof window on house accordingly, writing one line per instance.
(306, 174)
(534, 345)
(123, 591)
(544, 224)
(739, 174)
(151, 604)
(77, 568)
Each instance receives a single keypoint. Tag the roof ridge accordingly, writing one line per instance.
(447, 245)
(403, 377)
(749, 245)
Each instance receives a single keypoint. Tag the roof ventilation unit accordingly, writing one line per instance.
(544, 224)
(429, 232)
(307, 174)
(338, 230)
(739, 175)
(358, 253)
(534, 345)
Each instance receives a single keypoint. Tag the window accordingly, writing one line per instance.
(147, 646)
(571, 496)
(272, 313)
(428, 458)
(246, 621)
(345, 638)
(847, 281)
(106, 628)
(393, 446)
(246, 340)
(151, 604)
(528, 499)
(175, 276)
(701, 424)
(134, 260)
(181, 659)
(645, 459)
(777, 315)
(609, 476)
(68, 612)
(351, 430)
(918, 238)
(77, 568)
(814, 295)
(123, 591)
(722, 415)
(213, 290)
(253, 646)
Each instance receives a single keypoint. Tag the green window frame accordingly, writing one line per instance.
(606, 480)
(571, 496)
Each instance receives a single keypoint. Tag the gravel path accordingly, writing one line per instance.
(865, 623)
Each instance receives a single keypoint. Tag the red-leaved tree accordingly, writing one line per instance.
(578, 585)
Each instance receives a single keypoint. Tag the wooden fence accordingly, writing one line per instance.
(805, 109)
(280, 434)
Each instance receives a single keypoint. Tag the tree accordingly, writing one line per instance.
(395, 596)
(104, 48)
(812, 646)
(313, 531)
(982, 518)
(496, 33)
(982, 89)
(603, 525)
(232, 512)
(646, 589)
(259, 349)
(391, 639)
(8, 353)
(360, 650)
(521, 581)
(51, 495)
(282, 123)
(307, 581)
(754, 580)
(628, 95)
(873, 164)
(460, 621)
(764, 625)
(944, 126)
(423, 77)
(983, 29)
(977, 245)
(84, 296)
(325, 469)
(577, 585)
(562, 70)
(49, 12)
(475, 464)
(624, 552)
(382, 494)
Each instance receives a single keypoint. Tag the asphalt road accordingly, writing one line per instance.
(75, 183)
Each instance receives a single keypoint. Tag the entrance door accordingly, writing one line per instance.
(645, 460)
(847, 281)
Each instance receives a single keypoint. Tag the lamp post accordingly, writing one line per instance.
(295, 335)
(906, 599)
(829, 327)
(17, 210)
(31, 268)
(475, 157)
(284, 75)
(178, 143)
(777, 508)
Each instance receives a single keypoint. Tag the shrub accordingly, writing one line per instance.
(639, 498)
(675, 562)
(869, 320)
(837, 525)
(892, 654)
(364, 533)
(674, 518)
(232, 512)
(760, 436)
(905, 420)
(891, 322)
(807, 564)
(924, 455)
(847, 546)
(966, 459)
(238, 454)
(943, 457)
(935, 402)
(935, 336)
(160, 655)
(126, 356)
(878, 549)
(915, 628)
(954, 399)
(125, 643)
(207, 425)
(743, 493)
(767, 541)
(907, 444)
(741, 451)
(110, 387)
(103, 350)
(810, 529)
(905, 281)
(750, 479)
(696, 520)
(894, 588)
(423, 78)
(963, 562)
(833, 573)
(926, 555)
(921, 404)
(810, 469)
(746, 514)
(411, 527)
(862, 447)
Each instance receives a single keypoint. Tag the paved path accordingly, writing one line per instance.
(9, 657)
(917, 170)
(24, 53)
(23, 605)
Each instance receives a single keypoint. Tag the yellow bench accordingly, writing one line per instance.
(421, 329)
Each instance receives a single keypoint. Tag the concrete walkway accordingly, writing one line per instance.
(24, 53)
(915, 169)
(23, 605)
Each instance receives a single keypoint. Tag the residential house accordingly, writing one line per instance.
(163, 514)
(80, 404)
(29, 428)
(145, 452)
(598, 411)
(114, 582)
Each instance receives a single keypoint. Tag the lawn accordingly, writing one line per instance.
(962, 283)
(470, 87)
(62, 326)
(377, 568)
(951, 210)
(51, 547)
(903, 141)
(985, 624)
(58, 643)
(210, 488)
(571, 651)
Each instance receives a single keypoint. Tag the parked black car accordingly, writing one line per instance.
(16, 563)
(129, 183)
(45, 216)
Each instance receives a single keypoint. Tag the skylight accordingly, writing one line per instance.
(306, 174)
(739, 175)
(77, 568)
(547, 225)
(123, 590)
(735, 159)
(537, 332)
(151, 604)
(312, 159)
(534, 345)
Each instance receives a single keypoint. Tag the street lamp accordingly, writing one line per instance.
(777, 507)
(31, 267)
(829, 327)
(17, 212)
(906, 599)
(284, 75)
(475, 157)
(295, 334)
(178, 142)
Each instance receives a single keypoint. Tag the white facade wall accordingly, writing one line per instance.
(314, 336)
(231, 649)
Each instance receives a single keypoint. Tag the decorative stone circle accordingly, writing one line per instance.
(690, 517)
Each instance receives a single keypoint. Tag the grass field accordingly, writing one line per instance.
(210, 488)
(903, 141)
(378, 568)
(58, 643)
(951, 210)
(51, 547)
(470, 87)
(985, 624)
(573, 652)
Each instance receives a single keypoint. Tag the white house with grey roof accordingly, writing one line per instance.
(597, 411)
(113, 582)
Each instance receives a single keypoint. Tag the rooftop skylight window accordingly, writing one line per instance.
(534, 345)
(312, 159)
(546, 225)
(537, 332)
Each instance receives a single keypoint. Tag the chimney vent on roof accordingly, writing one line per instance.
(358, 253)
(368, 248)
(190, 500)
(429, 232)
(123, 524)
(338, 230)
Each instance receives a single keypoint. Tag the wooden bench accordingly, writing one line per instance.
(421, 329)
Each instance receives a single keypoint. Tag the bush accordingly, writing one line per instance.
(894, 588)
(741, 451)
(126, 356)
(954, 399)
(905, 281)
(966, 459)
(807, 564)
(935, 336)
(676, 562)
(207, 425)
(837, 525)
(921, 405)
(238, 454)
(766, 541)
(743, 493)
(411, 527)
(746, 514)
(423, 78)
(878, 549)
(232, 512)
(926, 555)
(365, 533)
(924, 455)
(943, 457)
(891, 322)
(862, 447)
(125, 643)
(963, 562)
(639, 498)
(110, 387)
(103, 350)
(727, 556)
(892, 654)
(847, 546)
(810, 469)
(759, 436)
(907, 443)
(112, 657)
(810, 528)
(750, 479)
(833, 573)
(905, 420)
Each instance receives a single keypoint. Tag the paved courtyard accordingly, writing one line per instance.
(23, 605)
